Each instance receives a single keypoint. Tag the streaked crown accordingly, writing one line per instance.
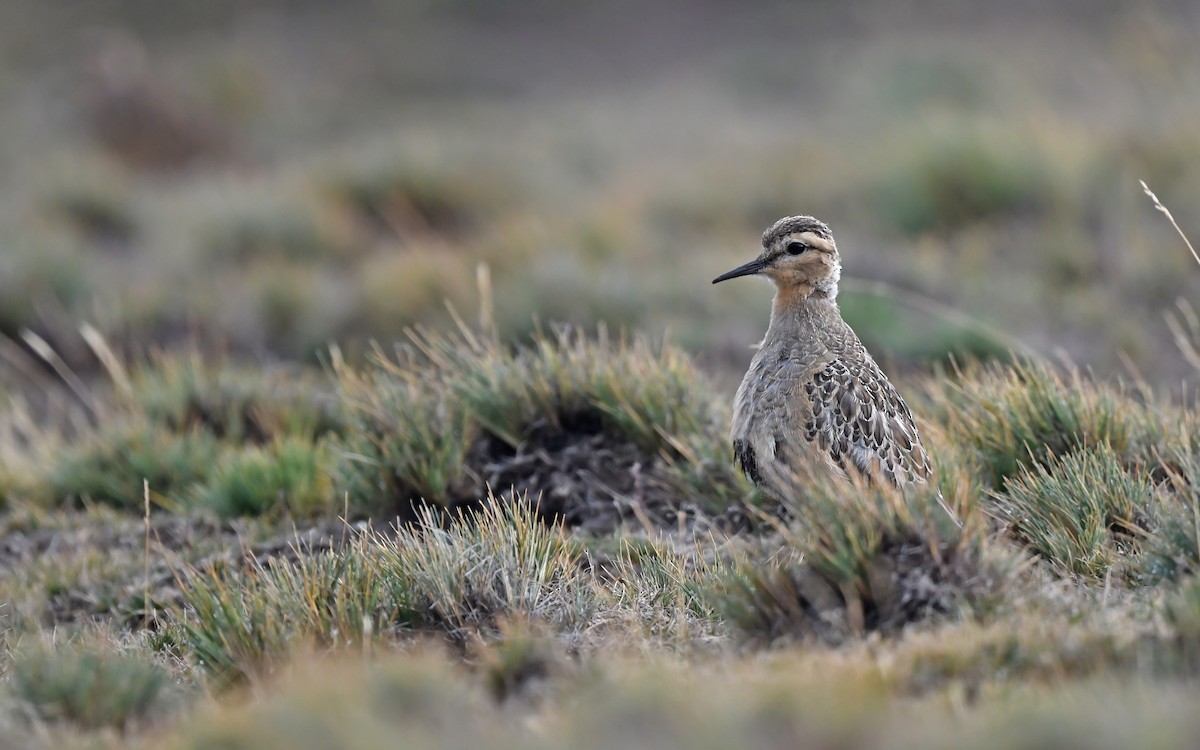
(790, 225)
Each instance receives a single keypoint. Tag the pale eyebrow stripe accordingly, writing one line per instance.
(818, 242)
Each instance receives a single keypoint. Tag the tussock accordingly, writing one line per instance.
(599, 432)
(1016, 417)
(1083, 512)
(850, 559)
(88, 686)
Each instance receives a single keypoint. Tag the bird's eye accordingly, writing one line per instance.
(795, 248)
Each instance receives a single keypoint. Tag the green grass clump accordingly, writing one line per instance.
(856, 558)
(407, 700)
(501, 561)
(93, 211)
(1016, 417)
(1082, 512)
(517, 660)
(1174, 549)
(1182, 612)
(668, 590)
(644, 392)
(390, 198)
(89, 687)
(236, 403)
(233, 439)
(884, 325)
(35, 272)
(406, 440)
(92, 197)
(290, 476)
(417, 423)
(110, 465)
(237, 624)
(852, 698)
(651, 396)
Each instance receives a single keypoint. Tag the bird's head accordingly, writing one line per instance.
(799, 256)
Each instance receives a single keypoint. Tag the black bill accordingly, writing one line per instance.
(752, 267)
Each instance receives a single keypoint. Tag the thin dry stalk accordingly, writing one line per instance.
(146, 557)
(1166, 212)
(43, 349)
(108, 358)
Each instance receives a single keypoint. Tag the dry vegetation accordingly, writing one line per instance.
(260, 486)
(442, 589)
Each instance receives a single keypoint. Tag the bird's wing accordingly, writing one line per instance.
(858, 416)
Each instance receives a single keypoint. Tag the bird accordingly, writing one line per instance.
(813, 393)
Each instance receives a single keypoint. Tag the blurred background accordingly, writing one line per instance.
(264, 178)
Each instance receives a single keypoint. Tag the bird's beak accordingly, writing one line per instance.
(754, 266)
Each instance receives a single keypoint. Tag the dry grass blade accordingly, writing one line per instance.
(1186, 332)
(108, 358)
(52, 358)
(1185, 329)
(1166, 212)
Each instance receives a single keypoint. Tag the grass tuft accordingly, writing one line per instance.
(587, 424)
(288, 477)
(1173, 551)
(855, 559)
(109, 466)
(406, 440)
(518, 662)
(240, 404)
(1082, 512)
(457, 580)
(89, 687)
(965, 180)
(1017, 417)
(501, 561)
(239, 624)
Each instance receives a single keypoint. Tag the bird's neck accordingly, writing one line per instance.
(802, 300)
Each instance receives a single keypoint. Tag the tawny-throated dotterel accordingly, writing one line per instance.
(813, 393)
